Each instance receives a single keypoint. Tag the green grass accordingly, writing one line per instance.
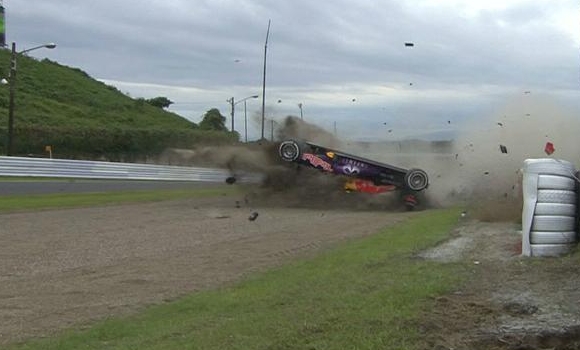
(83, 118)
(366, 294)
(66, 200)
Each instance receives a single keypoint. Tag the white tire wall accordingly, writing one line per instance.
(549, 217)
(556, 182)
(551, 249)
(556, 223)
(556, 196)
(562, 209)
(548, 237)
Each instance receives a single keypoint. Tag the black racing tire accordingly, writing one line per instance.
(416, 179)
(289, 151)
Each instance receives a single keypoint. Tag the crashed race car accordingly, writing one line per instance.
(363, 175)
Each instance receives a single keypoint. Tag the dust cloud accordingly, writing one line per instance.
(471, 170)
(481, 176)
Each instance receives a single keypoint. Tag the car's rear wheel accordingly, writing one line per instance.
(289, 150)
(416, 179)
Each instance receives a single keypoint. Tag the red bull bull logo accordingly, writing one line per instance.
(317, 162)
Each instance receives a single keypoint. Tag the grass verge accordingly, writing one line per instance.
(13, 203)
(366, 294)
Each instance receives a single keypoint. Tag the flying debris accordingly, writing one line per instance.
(354, 100)
(449, 122)
(253, 216)
(503, 149)
(279, 101)
(409, 44)
(500, 124)
(549, 148)
(390, 130)
(486, 173)
(231, 180)
(527, 92)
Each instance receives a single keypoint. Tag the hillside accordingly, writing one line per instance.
(81, 117)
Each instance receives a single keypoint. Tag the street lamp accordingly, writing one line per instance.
(12, 82)
(233, 103)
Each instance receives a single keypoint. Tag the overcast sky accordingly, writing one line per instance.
(345, 61)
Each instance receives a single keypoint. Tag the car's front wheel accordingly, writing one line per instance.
(416, 179)
(289, 150)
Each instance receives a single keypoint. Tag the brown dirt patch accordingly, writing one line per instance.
(510, 301)
(68, 268)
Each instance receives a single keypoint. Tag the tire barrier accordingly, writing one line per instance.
(549, 216)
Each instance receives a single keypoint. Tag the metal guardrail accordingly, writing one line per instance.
(44, 167)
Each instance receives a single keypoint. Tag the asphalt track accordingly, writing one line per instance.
(85, 186)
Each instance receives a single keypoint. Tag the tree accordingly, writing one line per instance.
(213, 120)
(160, 101)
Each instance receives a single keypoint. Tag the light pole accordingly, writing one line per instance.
(245, 122)
(12, 82)
(300, 106)
(264, 81)
(233, 104)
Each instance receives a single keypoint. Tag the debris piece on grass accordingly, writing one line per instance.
(503, 149)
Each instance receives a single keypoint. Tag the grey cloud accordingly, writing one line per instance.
(219, 45)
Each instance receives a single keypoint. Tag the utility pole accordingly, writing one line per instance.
(231, 101)
(264, 80)
(12, 91)
(300, 106)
